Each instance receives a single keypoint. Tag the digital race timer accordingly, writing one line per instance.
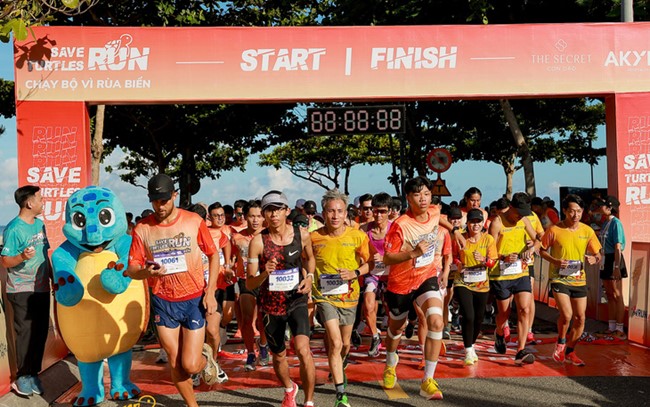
(356, 120)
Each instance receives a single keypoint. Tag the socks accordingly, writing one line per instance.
(568, 350)
(468, 351)
(619, 327)
(289, 389)
(391, 359)
(340, 388)
(561, 341)
(429, 369)
(611, 324)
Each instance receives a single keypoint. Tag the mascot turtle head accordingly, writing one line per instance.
(94, 219)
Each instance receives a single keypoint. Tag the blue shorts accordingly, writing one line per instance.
(170, 314)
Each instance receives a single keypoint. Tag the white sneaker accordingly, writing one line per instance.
(196, 380)
(162, 356)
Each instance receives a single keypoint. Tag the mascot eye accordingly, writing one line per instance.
(78, 220)
(106, 217)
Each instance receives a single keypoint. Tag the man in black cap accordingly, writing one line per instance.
(516, 242)
(166, 250)
(310, 211)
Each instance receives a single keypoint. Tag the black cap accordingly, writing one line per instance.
(610, 202)
(310, 207)
(521, 205)
(475, 214)
(160, 186)
(301, 220)
(455, 213)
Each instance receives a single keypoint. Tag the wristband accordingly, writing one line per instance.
(310, 275)
(490, 262)
(454, 229)
(357, 272)
(253, 260)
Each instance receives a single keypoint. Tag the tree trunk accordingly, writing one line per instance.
(347, 181)
(522, 147)
(509, 169)
(185, 182)
(97, 144)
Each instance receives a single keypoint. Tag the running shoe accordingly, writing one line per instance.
(443, 349)
(356, 338)
(573, 358)
(209, 373)
(162, 356)
(342, 400)
(524, 356)
(289, 399)
(37, 386)
(196, 380)
(250, 362)
(558, 354)
(470, 357)
(222, 377)
(506, 334)
(408, 332)
(530, 339)
(429, 390)
(265, 358)
(374, 346)
(500, 344)
(390, 377)
(23, 386)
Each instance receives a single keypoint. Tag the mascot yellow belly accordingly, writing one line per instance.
(102, 324)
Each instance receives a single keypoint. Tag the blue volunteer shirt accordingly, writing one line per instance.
(31, 275)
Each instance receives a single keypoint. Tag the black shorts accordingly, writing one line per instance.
(504, 289)
(399, 304)
(570, 290)
(608, 268)
(227, 294)
(243, 290)
(275, 325)
(531, 271)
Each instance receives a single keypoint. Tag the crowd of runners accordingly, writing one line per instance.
(280, 269)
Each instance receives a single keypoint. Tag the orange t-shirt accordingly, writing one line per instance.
(404, 235)
(178, 247)
(220, 239)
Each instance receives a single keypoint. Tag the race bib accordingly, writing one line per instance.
(333, 284)
(572, 269)
(380, 269)
(510, 269)
(173, 261)
(474, 275)
(284, 280)
(426, 258)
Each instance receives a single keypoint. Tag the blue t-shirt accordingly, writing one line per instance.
(612, 233)
(31, 275)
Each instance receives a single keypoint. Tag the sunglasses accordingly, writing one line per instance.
(366, 208)
(381, 211)
(310, 213)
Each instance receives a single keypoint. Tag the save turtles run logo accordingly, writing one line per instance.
(143, 401)
(117, 55)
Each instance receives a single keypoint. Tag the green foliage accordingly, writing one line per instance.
(7, 99)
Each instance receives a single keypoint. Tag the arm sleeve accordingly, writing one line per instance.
(204, 240)
(137, 251)
(394, 239)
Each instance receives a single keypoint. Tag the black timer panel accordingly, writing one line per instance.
(356, 120)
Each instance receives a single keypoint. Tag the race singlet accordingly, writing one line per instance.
(572, 269)
(474, 275)
(333, 284)
(510, 269)
(284, 280)
(174, 261)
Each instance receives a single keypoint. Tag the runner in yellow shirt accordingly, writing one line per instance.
(567, 246)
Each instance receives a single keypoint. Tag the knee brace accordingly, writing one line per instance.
(396, 337)
(433, 311)
(436, 336)
(399, 317)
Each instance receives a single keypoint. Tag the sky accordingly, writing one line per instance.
(256, 180)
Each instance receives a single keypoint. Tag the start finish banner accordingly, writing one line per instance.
(134, 64)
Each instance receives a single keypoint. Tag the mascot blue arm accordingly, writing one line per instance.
(113, 279)
(68, 290)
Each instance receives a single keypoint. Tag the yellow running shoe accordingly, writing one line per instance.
(429, 390)
(390, 377)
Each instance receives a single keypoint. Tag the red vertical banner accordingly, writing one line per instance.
(628, 162)
(54, 153)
